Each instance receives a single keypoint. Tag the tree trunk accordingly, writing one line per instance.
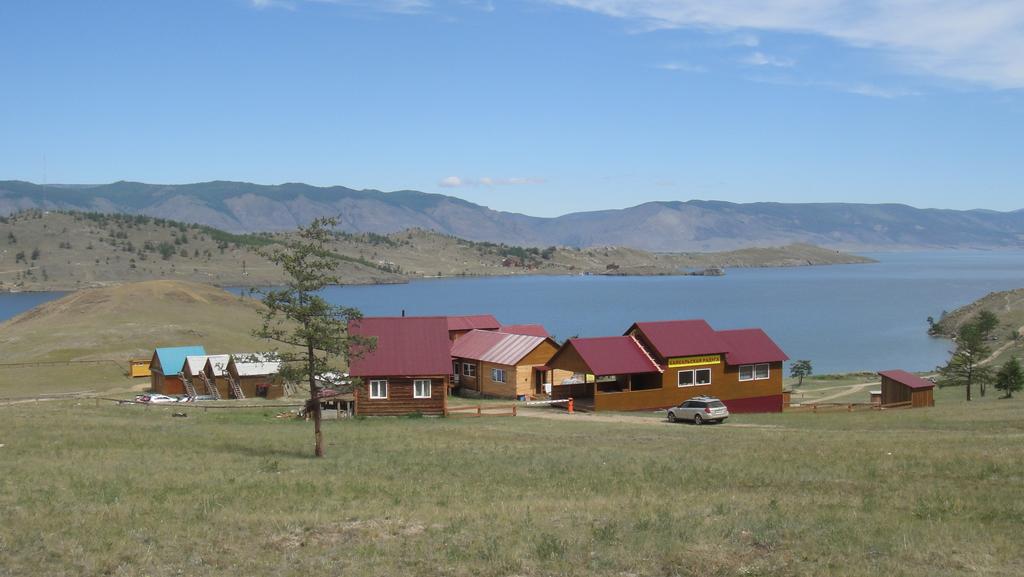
(314, 399)
(801, 383)
(968, 390)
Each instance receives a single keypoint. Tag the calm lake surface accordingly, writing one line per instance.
(842, 318)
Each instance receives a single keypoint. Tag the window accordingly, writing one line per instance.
(758, 372)
(761, 371)
(498, 375)
(694, 377)
(378, 389)
(421, 389)
(469, 369)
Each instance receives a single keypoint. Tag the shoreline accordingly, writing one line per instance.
(227, 285)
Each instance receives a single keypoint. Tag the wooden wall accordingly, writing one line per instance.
(896, 392)
(725, 385)
(400, 400)
(251, 384)
(166, 385)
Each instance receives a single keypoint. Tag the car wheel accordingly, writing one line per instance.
(698, 420)
(671, 417)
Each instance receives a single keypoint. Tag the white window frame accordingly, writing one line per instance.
(416, 383)
(469, 370)
(767, 371)
(693, 378)
(753, 372)
(377, 383)
(494, 375)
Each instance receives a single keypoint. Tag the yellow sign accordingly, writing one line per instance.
(693, 361)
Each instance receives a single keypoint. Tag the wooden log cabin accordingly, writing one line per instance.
(656, 365)
(899, 386)
(257, 375)
(216, 369)
(408, 370)
(504, 365)
(166, 366)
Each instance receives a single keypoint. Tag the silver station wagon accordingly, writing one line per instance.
(700, 410)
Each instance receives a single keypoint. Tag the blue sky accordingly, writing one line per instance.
(535, 106)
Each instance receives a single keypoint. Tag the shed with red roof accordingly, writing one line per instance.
(460, 325)
(407, 371)
(660, 364)
(899, 386)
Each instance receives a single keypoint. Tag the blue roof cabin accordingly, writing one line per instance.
(166, 366)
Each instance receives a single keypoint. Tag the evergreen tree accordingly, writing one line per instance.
(1010, 377)
(312, 330)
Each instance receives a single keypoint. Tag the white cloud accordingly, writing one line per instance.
(759, 58)
(393, 6)
(458, 181)
(978, 41)
(679, 67)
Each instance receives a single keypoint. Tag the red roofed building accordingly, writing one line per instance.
(660, 364)
(460, 325)
(532, 330)
(902, 387)
(500, 364)
(408, 369)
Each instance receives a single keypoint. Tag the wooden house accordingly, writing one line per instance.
(408, 370)
(165, 367)
(660, 364)
(902, 387)
(254, 375)
(216, 371)
(499, 364)
(203, 382)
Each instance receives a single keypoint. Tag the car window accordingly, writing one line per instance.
(699, 404)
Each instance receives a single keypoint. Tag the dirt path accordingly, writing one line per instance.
(999, 351)
(557, 415)
(848, 389)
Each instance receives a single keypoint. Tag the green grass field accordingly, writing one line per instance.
(126, 490)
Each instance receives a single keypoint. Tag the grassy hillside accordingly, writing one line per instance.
(106, 490)
(1008, 306)
(67, 251)
(118, 323)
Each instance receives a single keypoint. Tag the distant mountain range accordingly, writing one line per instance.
(694, 225)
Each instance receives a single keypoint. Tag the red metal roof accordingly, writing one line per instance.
(534, 330)
(470, 322)
(406, 346)
(907, 379)
(748, 346)
(495, 347)
(681, 338)
(613, 355)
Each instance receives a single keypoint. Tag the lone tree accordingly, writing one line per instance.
(800, 369)
(312, 330)
(964, 367)
(1010, 378)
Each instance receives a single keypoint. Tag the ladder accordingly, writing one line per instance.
(236, 390)
(211, 387)
(189, 389)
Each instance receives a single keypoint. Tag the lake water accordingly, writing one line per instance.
(842, 318)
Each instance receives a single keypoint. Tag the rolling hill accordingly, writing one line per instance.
(42, 250)
(694, 225)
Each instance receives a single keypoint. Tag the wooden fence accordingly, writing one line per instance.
(848, 407)
(481, 411)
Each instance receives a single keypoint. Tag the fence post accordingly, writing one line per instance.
(570, 407)
(479, 410)
(513, 410)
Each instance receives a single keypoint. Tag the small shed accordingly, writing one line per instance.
(257, 375)
(165, 367)
(138, 368)
(899, 386)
